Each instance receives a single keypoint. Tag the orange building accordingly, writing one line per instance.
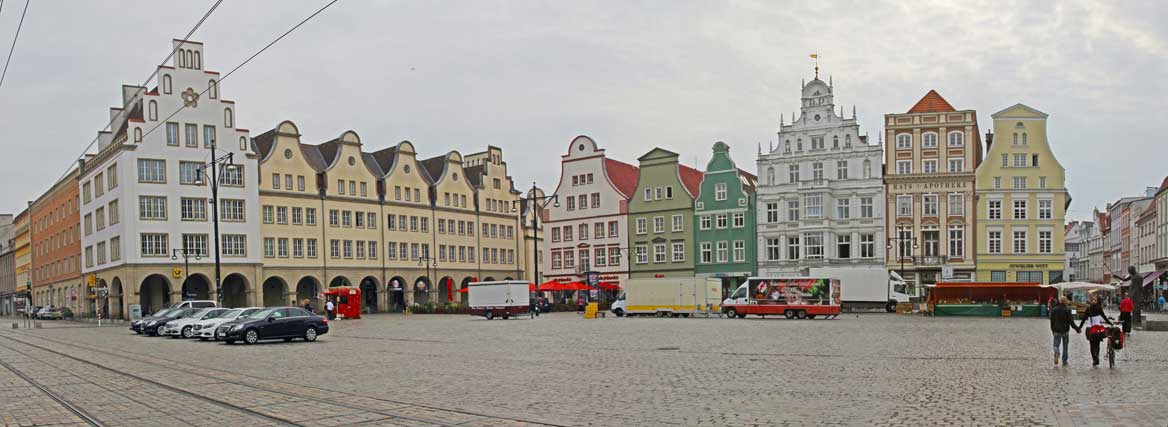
(55, 232)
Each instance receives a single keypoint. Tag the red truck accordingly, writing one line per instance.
(793, 297)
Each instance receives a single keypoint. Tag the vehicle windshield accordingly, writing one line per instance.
(164, 312)
(228, 314)
(198, 314)
(260, 314)
(179, 313)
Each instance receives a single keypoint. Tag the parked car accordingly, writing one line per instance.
(152, 327)
(205, 329)
(195, 304)
(184, 327)
(285, 323)
(137, 325)
(55, 313)
(42, 313)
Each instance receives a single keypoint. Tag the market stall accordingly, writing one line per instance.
(988, 299)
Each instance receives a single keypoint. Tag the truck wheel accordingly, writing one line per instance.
(660, 314)
(619, 313)
(731, 313)
(790, 314)
(891, 307)
(506, 316)
(489, 315)
(801, 314)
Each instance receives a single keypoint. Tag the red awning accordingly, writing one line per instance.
(609, 286)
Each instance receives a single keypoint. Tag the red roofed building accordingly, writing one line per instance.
(586, 228)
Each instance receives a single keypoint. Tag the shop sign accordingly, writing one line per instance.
(1019, 266)
(397, 286)
(946, 272)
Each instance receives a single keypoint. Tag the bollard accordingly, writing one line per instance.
(15, 325)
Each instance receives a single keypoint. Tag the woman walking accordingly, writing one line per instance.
(1096, 332)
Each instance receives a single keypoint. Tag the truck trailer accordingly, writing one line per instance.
(867, 287)
(792, 297)
(680, 296)
(502, 298)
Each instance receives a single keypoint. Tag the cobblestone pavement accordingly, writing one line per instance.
(870, 369)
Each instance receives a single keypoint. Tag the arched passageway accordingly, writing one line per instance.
(422, 290)
(397, 295)
(369, 295)
(196, 287)
(276, 292)
(154, 293)
(234, 291)
(308, 289)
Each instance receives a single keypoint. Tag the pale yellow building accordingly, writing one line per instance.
(1021, 202)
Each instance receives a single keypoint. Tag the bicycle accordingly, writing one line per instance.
(1115, 341)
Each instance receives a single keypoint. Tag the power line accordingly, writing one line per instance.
(145, 82)
(245, 62)
(12, 48)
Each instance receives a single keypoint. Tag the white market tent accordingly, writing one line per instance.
(1075, 286)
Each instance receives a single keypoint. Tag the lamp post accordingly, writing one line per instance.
(901, 244)
(186, 256)
(537, 204)
(228, 162)
(427, 261)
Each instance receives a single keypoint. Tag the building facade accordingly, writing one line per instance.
(586, 227)
(821, 192)
(661, 214)
(1160, 255)
(147, 185)
(7, 266)
(1145, 235)
(932, 154)
(56, 245)
(22, 254)
(1021, 202)
(724, 222)
(1075, 242)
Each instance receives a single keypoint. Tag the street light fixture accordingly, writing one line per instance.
(228, 162)
(538, 204)
(902, 243)
(427, 261)
(186, 256)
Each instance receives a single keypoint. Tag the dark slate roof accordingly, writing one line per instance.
(385, 158)
(329, 151)
(313, 157)
(372, 165)
(433, 167)
(263, 143)
(474, 174)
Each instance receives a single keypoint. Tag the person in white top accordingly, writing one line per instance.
(328, 308)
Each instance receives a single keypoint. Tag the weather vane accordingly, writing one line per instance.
(815, 56)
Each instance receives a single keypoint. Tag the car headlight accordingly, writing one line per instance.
(237, 327)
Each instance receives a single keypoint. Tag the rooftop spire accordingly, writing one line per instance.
(815, 56)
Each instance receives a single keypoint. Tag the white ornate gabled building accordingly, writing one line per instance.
(820, 192)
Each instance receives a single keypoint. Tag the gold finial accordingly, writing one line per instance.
(815, 56)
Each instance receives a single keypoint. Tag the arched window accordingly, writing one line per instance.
(1023, 138)
(183, 58)
(166, 83)
(152, 110)
(1015, 138)
(835, 141)
(867, 168)
(929, 140)
(956, 139)
(904, 142)
(198, 60)
(243, 143)
(848, 140)
(228, 118)
(771, 176)
(787, 146)
(799, 144)
(212, 89)
(137, 134)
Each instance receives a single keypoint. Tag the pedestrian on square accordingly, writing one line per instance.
(580, 304)
(307, 306)
(1160, 302)
(1125, 312)
(328, 309)
(1096, 332)
(1061, 323)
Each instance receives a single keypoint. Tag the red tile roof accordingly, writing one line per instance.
(932, 102)
(692, 180)
(1163, 185)
(622, 175)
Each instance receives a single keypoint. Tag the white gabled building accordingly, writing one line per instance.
(587, 230)
(820, 192)
(140, 199)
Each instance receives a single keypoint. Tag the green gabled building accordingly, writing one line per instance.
(725, 243)
(660, 215)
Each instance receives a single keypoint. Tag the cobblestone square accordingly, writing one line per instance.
(559, 369)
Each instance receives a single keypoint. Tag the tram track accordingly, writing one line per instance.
(65, 403)
(186, 367)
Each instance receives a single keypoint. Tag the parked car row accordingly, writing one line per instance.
(49, 313)
(250, 325)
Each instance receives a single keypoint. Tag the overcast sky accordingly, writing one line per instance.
(530, 76)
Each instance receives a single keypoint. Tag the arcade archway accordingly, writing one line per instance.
(307, 289)
(275, 292)
(154, 293)
(369, 294)
(234, 291)
(397, 295)
(196, 287)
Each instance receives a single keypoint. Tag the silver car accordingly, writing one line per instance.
(205, 329)
(184, 327)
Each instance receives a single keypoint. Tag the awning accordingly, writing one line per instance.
(1151, 277)
(609, 286)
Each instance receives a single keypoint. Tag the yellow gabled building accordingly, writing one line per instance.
(1021, 202)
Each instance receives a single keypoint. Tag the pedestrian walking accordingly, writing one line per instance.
(580, 304)
(328, 309)
(1096, 332)
(1125, 312)
(307, 305)
(1160, 302)
(1061, 323)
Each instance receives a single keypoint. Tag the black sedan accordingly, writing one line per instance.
(284, 323)
(151, 327)
(138, 325)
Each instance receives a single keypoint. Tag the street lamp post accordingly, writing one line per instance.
(537, 204)
(901, 244)
(228, 162)
(428, 261)
(186, 256)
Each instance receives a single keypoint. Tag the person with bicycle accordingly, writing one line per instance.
(1096, 332)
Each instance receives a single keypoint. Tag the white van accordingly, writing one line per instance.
(195, 304)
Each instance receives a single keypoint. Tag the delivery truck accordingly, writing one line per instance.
(501, 298)
(679, 296)
(868, 287)
(792, 297)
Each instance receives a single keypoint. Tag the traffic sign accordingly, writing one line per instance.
(92, 279)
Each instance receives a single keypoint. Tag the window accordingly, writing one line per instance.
(704, 222)
(867, 245)
(269, 214)
(929, 140)
(929, 166)
(997, 182)
(569, 258)
(613, 230)
(722, 252)
(88, 225)
(555, 232)
(231, 210)
(597, 231)
(720, 221)
(599, 258)
(813, 206)
(353, 190)
(360, 249)
(98, 185)
(583, 231)
(956, 204)
(659, 253)
(189, 173)
(866, 210)
(793, 210)
(228, 118)
(1020, 209)
(813, 242)
(720, 191)
(567, 233)
(232, 177)
(111, 175)
(793, 173)
(193, 209)
(841, 169)
(678, 252)
(867, 169)
(1019, 160)
(904, 167)
(192, 135)
(347, 248)
(287, 180)
(739, 220)
(843, 246)
(99, 221)
(772, 212)
(648, 194)
(998, 276)
(929, 205)
(166, 84)
(1034, 160)
(642, 253)
(115, 249)
(194, 245)
(152, 171)
(956, 165)
(658, 224)
(281, 214)
(956, 241)
(571, 203)
(583, 201)
(956, 139)
(817, 171)
(793, 248)
(669, 192)
(843, 209)
(1045, 209)
(152, 207)
(904, 205)
(771, 176)
(772, 249)
(155, 244)
(995, 209)
(817, 143)
(678, 225)
(1042, 182)
(208, 136)
(705, 253)
(297, 216)
(1045, 244)
(904, 141)
(310, 216)
(595, 200)
(1019, 241)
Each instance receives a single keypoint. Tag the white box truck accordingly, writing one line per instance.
(678, 296)
(868, 287)
(502, 298)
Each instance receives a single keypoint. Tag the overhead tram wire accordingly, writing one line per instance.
(12, 48)
(245, 62)
(145, 82)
